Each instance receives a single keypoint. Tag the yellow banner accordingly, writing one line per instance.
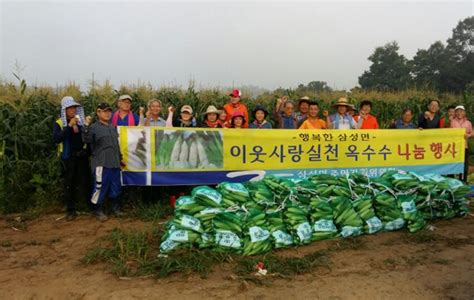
(311, 149)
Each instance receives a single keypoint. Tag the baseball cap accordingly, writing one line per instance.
(125, 97)
(104, 106)
(460, 107)
(236, 93)
(187, 108)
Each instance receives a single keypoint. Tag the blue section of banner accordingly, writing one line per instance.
(134, 178)
(215, 177)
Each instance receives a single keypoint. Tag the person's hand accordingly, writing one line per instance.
(147, 114)
(362, 114)
(141, 110)
(326, 113)
(73, 122)
(427, 114)
(88, 121)
(171, 109)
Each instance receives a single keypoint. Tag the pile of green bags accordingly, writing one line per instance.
(255, 217)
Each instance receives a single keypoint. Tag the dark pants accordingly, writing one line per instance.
(466, 166)
(76, 182)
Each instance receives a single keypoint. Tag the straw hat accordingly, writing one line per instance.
(342, 102)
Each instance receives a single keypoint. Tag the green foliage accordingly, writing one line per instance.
(443, 68)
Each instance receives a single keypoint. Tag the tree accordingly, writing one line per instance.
(314, 86)
(389, 70)
(429, 65)
(460, 57)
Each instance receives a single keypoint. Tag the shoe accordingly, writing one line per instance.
(70, 216)
(100, 216)
(118, 213)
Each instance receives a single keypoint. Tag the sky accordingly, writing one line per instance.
(216, 44)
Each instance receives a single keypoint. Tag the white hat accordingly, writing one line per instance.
(460, 107)
(125, 97)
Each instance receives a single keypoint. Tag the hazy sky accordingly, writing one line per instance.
(268, 44)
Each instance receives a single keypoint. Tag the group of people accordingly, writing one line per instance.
(78, 138)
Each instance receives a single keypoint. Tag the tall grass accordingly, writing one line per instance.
(29, 169)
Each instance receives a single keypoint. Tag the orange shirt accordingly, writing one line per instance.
(313, 124)
(370, 122)
(230, 109)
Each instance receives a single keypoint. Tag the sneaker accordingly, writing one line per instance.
(70, 216)
(100, 216)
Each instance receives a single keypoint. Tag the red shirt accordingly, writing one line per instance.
(230, 109)
(370, 122)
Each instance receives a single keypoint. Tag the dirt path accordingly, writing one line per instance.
(43, 262)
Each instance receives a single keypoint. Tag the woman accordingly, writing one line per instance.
(223, 118)
(238, 120)
(405, 122)
(341, 119)
(260, 114)
(186, 118)
(431, 118)
(211, 119)
(460, 121)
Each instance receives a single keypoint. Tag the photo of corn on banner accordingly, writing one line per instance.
(184, 156)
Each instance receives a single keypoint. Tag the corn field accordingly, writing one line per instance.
(29, 168)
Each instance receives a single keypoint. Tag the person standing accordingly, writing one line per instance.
(430, 118)
(460, 121)
(211, 118)
(235, 105)
(124, 116)
(313, 121)
(341, 119)
(405, 122)
(284, 114)
(73, 154)
(260, 114)
(105, 162)
(368, 120)
(303, 108)
(445, 121)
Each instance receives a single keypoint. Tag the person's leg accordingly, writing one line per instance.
(466, 165)
(115, 191)
(68, 187)
(99, 192)
(83, 182)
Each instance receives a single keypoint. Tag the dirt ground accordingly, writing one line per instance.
(43, 261)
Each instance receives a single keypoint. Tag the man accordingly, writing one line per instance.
(123, 116)
(235, 105)
(105, 162)
(430, 118)
(67, 133)
(446, 121)
(284, 114)
(341, 119)
(313, 121)
(368, 120)
(303, 107)
(460, 121)
(405, 122)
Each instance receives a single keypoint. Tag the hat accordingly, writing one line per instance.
(238, 114)
(352, 106)
(104, 106)
(236, 93)
(68, 101)
(125, 97)
(211, 109)
(341, 102)
(187, 108)
(460, 107)
(259, 107)
(303, 99)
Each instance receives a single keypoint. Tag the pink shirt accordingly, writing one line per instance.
(464, 123)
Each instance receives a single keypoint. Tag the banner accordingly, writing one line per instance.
(185, 156)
